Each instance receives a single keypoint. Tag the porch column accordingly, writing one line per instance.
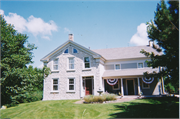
(103, 87)
(138, 86)
(122, 89)
(81, 86)
(162, 81)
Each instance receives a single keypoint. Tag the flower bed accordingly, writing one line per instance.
(99, 99)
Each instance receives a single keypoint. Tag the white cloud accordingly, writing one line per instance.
(1, 12)
(33, 25)
(18, 21)
(66, 30)
(141, 36)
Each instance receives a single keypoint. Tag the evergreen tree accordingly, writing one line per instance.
(165, 32)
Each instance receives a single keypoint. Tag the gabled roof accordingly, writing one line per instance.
(124, 52)
(94, 54)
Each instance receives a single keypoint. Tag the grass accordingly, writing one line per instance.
(150, 107)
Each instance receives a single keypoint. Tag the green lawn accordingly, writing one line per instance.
(152, 107)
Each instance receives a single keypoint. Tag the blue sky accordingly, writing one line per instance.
(95, 24)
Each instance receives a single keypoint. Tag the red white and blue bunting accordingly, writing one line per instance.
(112, 82)
(148, 81)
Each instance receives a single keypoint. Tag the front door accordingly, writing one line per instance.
(130, 87)
(88, 87)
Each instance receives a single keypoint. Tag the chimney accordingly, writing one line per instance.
(71, 37)
(151, 43)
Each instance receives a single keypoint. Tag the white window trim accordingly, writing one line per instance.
(73, 51)
(118, 86)
(53, 85)
(142, 63)
(119, 66)
(68, 84)
(89, 64)
(56, 64)
(68, 64)
(145, 87)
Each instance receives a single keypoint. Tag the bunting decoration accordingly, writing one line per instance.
(148, 81)
(112, 82)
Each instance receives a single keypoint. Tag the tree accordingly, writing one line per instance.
(165, 32)
(14, 58)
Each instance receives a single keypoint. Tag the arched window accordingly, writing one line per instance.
(66, 51)
(74, 50)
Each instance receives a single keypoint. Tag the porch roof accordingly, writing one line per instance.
(127, 72)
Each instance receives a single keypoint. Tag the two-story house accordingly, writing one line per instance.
(77, 71)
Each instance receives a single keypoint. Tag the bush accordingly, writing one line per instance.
(98, 99)
(88, 98)
(104, 97)
(109, 97)
(169, 88)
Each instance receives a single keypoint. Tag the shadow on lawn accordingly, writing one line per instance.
(162, 107)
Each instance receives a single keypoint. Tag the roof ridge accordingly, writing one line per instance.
(122, 47)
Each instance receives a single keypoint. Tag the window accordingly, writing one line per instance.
(117, 66)
(145, 86)
(86, 62)
(55, 84)
(55, 64)
(75, 51)
(116, 86)
(140, 65)
(66, 51)
(71, 63)
(71, 84)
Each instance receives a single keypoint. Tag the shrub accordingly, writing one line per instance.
(104, 97)
(109, 97)
(98, 99)
(88, 98)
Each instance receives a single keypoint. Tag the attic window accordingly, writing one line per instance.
(75, 51)
(66, 51)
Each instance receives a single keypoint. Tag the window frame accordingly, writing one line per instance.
(69, 63)
(71, 84)
(55, 64)
(65, 50)
(118, 86)
(85, 62)
(145, 87)
(73, 50)
(55, 84)
(140, 63)
(119, 66)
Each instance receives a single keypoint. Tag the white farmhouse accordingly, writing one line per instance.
(77, 71)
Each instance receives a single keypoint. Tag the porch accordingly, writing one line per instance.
(132, 87)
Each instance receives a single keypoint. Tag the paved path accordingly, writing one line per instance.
(125, 99)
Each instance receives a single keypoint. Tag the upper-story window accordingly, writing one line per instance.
(75, 50)
(86, 62)
(71, 63)
(55, 64)
(117, 66)
(140, 65)
(66, 51)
